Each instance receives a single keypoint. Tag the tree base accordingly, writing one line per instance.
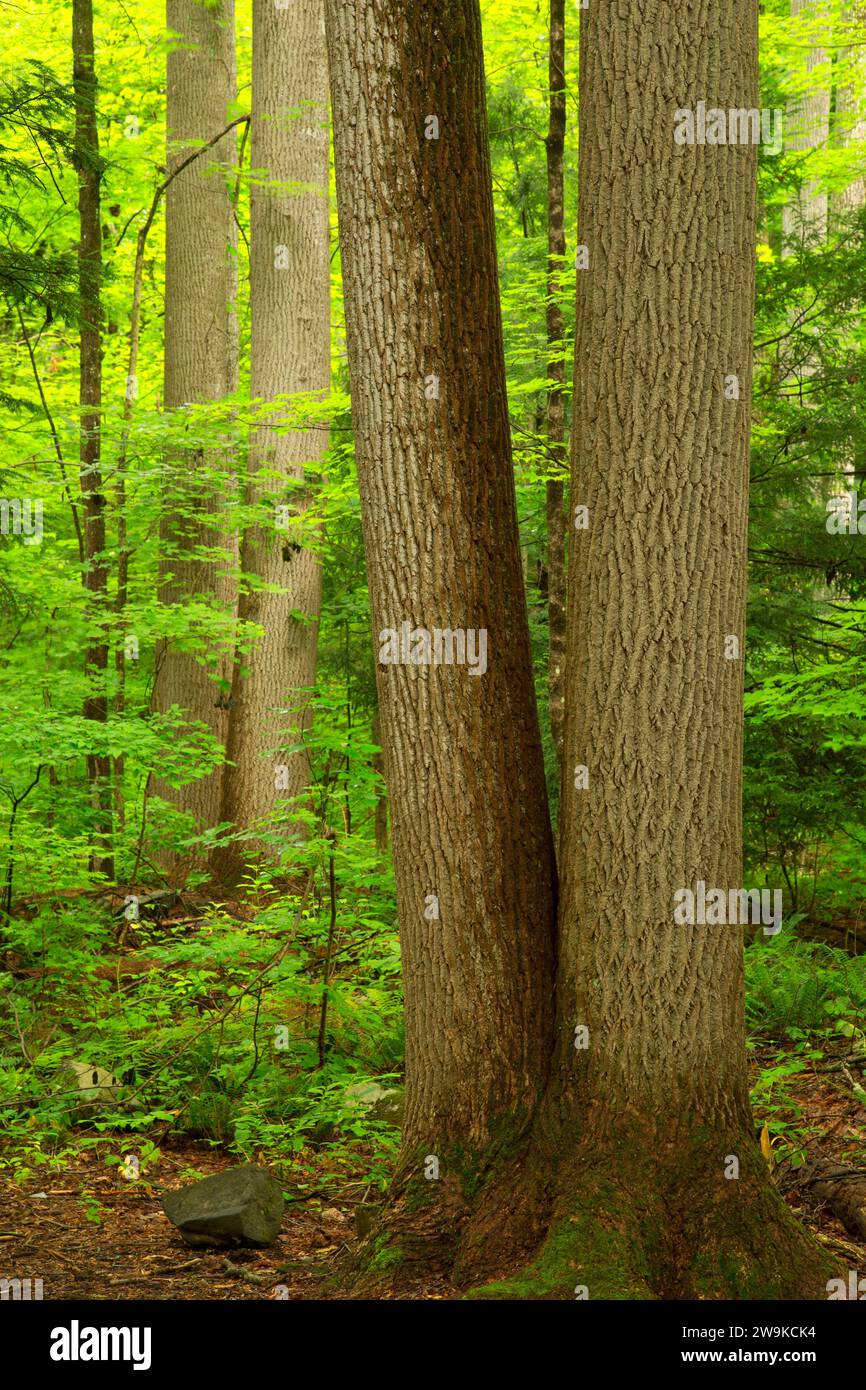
(637, 1217)
(627, 1212)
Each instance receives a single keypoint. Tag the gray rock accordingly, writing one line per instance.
(378, 1102)
(364, 1093)
(241, 1205)
(389, 1109)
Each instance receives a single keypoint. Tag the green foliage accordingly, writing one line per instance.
(192, 1036)
(802, 997)
(217, 1038)
(798, 988)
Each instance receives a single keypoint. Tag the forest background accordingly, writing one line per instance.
(242, 981)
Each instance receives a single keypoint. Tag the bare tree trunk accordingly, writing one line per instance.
(471, 837)
(556, 373)
(849, 127)
(807, 218)
(200, 361)
(659, 1189)
(95, 573)
(290, 352)
(382, 797)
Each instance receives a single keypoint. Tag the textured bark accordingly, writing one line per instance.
(638, 1127)
(95, 573)
(849, 127)
(623, 1184)
(200, 358)
(462, 752)
(290, 352)
(806, 218)
(381, 822)
(557, 456)
(660, 458)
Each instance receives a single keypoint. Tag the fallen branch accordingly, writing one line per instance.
(844, 1191)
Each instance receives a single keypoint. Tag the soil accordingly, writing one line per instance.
(89, 1233)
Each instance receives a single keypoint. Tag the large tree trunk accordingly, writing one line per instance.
(659, 1189)
(290, 352)
(200, 360)
(381, 819)
(95, 573)
(557, 457)
(471, 838)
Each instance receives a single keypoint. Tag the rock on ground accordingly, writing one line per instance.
(239, 1206)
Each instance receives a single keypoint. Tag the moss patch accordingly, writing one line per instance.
(385, 1255)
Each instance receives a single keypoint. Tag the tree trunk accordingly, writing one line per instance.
(806, 219)
(381, 821)
(646, 1136)
(95, 572)
(200, 362)
(471, 837)
(290, 352)
(556, 373)
(848, 126)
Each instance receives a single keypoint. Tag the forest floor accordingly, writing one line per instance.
(91, 1234)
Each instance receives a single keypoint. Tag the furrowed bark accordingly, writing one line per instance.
(290, 352)
(200, 365)
(557, 454)
(95, 570)
(381, 820)
(471, 838)
(644, 1150)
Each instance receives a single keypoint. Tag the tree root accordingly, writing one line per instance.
(634, 1219)
(631, 1210)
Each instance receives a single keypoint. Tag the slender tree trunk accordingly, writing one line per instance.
(851, 126)
(557, 457)
(95, 573)
(290, 352)
(200, 362)
(806, 218)
(646, 1137)
(471, 837)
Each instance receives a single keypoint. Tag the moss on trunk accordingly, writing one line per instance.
(646, 1211)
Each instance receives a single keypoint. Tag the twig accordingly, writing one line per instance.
(326, 973)
(255, 1040)
(16, 801)
(176, 1269)
(52, 427)
(28, 1059)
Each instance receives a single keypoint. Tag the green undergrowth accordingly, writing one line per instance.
(217, 1036)
(216, 1039)
(805, 1006)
